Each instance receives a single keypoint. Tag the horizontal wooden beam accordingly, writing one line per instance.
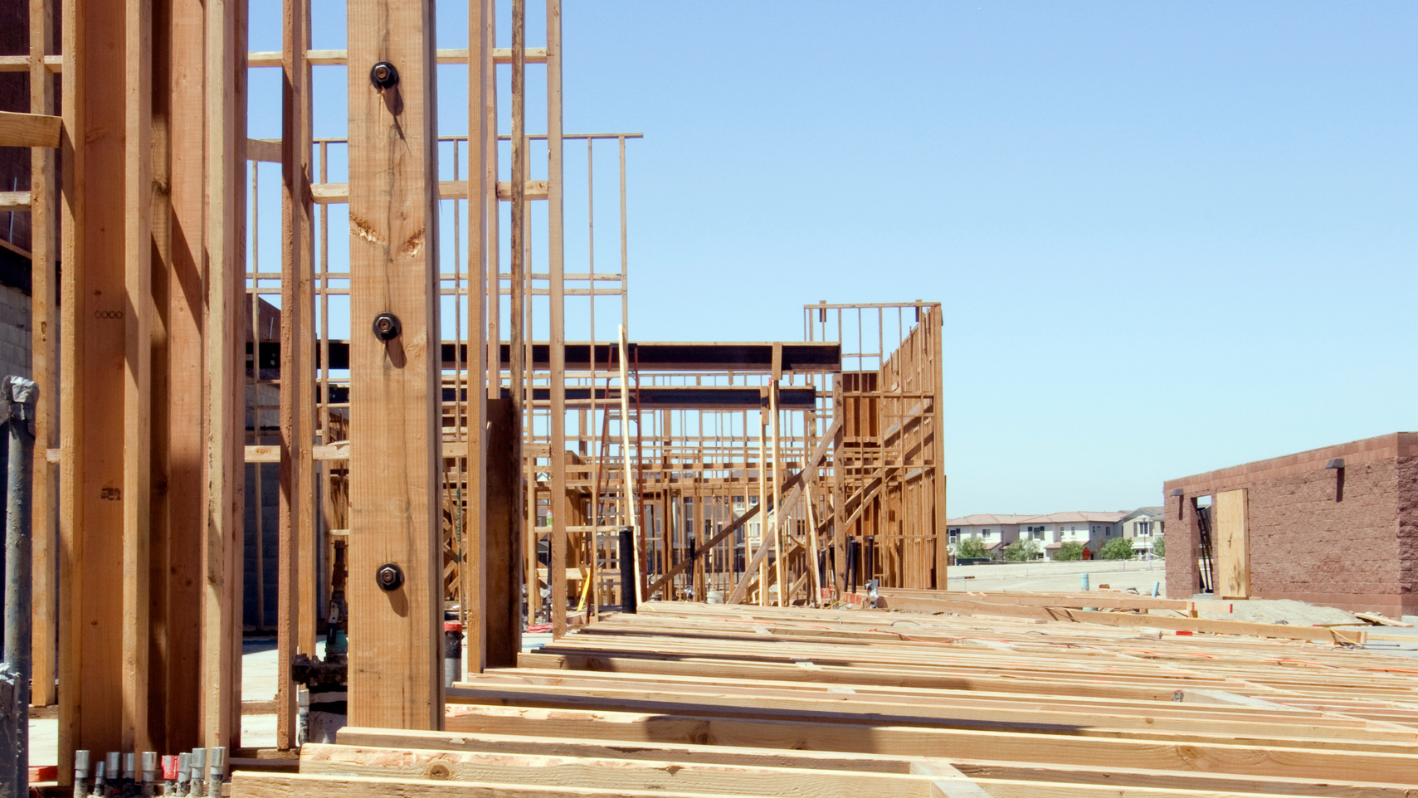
(948, 603)
(987, 771)
(501, 55)
(918, 741)
(336, 193)
(264, 150)
(543, 745)
(14, 201)
(21, 63)
(29, 130)
(250, 784)
(605, 773)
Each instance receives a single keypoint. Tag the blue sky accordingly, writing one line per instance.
(1168, 237)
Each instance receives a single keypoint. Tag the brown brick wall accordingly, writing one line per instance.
(1408, 532)
(1357, 549)
(1304, 541)
(1182, 547)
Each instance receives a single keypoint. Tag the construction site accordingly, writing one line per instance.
(501, 546)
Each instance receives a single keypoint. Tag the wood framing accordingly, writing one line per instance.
(44, 331)
(29, 130)
(478, 557)
(106, 345)
(224, 342)
(395, 671)
(769, 701)
(296, 572)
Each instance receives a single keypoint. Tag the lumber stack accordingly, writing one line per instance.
(692, 699)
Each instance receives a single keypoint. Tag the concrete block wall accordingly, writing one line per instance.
(1346, 540)
(1407, 500)
(14, 332)
(1309, 543)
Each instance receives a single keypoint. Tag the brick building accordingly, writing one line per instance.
(1335, 526)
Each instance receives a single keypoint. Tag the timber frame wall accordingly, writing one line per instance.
(193, 355)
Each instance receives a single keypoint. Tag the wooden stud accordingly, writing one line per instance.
(395, 401)
(160, 385)
(629, 517)
(107, 349)
(181, 311)
(295, 627)
(477, 561)
(935, 318)
(555, 255)
(517, 301)
(44, 338)
(222, 561)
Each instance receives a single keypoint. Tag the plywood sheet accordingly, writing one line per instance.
(1233, 559)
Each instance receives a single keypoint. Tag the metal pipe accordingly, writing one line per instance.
(98, 786)
(150, 767)
(20, 395)
(199, 767)
(216, 770)
(184, 773)
(81, 774)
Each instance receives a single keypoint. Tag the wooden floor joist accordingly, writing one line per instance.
(751, 700)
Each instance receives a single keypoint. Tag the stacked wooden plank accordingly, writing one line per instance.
(693, 699)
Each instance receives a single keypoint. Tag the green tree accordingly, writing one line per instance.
(1069, 552)
(1021, 551)
(972, 548)
(1116, 549)
(1159, 547)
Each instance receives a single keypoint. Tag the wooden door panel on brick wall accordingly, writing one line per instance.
(1233, 560)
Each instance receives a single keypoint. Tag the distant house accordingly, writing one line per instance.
(1143, 526)
(1053, 530)
(996, 531)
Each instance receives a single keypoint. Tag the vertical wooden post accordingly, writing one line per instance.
(181, 310)
(137, 344)
(934, 320)
(107, 354)
(839, 493)
(475, 565)
(160, 380)
(225, 357)
(296, 512)
(395, 400)
(309, 536)
(44, 350)
(517, 305)
(557, 571)
(697, 575)
(779, 510)
(629, 515)
(812, 545)
(762, 506)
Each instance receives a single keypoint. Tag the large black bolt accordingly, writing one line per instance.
(389, 577)
(387, 327)
(384, 75)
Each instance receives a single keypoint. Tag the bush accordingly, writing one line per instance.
(1116, 549)
(1159, 547)
(1021, 551)
(1069, 552)
(972, 549)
